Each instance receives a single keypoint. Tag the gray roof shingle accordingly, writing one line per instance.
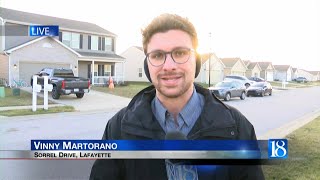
(14, 15)
(264, 65)
(100, 54)
(281, 67)
(230, 62)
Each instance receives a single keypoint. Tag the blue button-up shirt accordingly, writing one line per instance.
(185, 122)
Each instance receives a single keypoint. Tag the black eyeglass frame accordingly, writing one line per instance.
(170, 52)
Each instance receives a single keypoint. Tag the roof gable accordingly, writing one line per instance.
(265, 65)
(253, 65)
(282, 67)
(229, 62)
(39, 39)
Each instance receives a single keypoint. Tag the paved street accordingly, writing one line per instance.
(265, 113)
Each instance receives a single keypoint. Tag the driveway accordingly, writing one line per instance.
(92, 101)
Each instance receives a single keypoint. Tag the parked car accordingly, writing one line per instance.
(229, 89)
(257, 79)
(244, 80)
(301, 79)
(64, 82)
(260, 89)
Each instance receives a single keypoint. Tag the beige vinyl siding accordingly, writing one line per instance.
(4, 71)
(134, 60)
(45, 52)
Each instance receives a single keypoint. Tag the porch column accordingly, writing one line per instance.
(92, 72)
(123, 71)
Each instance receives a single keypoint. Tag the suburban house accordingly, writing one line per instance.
(307, 74)
(234, 66)
(283, 72)
(294, 73)
(267, 70)
(86, 48)
(211, 66)
(134, 64)
(253, 69)
(316, 75)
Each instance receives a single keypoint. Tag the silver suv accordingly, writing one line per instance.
(246, 82)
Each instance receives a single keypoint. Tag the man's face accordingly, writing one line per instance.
(171, 79)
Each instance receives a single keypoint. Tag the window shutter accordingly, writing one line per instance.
(99, 44)
(60, 36)
(89, 42)
(112, 70)
(81, 40)
(112, 45)
(103, 44)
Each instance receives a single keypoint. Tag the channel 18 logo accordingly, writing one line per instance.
(278, 148)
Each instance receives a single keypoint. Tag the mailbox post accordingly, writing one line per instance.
(46, 89)
(35, 89)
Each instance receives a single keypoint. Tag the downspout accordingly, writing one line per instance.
(3, 33)
(9, 65)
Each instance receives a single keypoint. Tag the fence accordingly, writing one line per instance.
(104, 80)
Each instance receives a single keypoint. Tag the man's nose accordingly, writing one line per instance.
(169, 63)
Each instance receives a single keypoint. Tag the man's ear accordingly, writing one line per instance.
(146, 69)
(198, 64)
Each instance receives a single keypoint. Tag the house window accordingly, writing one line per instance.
(108, 44)
(94, 43)
(107, 70)
(71, 39)
(140, 72)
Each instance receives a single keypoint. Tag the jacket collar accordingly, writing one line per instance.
(140, 121)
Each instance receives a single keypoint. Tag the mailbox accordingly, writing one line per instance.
(36, 88)
(48, 87)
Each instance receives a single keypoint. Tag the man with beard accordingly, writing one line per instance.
(174, 103)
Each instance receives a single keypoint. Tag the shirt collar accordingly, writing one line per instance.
(186, 112)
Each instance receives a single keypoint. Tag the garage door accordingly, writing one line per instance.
(269, 76)
(26, 70)
(216, 76)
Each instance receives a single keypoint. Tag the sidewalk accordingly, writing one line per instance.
(92, 101)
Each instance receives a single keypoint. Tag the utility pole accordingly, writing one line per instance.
(209, 59)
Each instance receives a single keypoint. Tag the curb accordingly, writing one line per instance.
(283, 131)
(27, 107)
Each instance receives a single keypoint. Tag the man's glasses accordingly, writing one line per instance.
(179, 56)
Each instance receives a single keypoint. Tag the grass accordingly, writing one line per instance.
(23, 112)
(304, 155)
(129, 90)
(25, 99)
(293, 84)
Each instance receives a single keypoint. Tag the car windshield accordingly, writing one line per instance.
(224, 84)
(258, 84)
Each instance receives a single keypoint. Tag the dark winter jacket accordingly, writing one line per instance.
(137, 122)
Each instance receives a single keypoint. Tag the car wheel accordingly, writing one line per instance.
(227, 97)
(270, 94)
(79, 95)
(243, 96)
(55, 94)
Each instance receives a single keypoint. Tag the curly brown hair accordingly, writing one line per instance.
(166, 22)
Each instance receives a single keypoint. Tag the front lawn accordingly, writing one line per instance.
(130, 90)
(23, 112)
(304, 155)
(25, 99)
